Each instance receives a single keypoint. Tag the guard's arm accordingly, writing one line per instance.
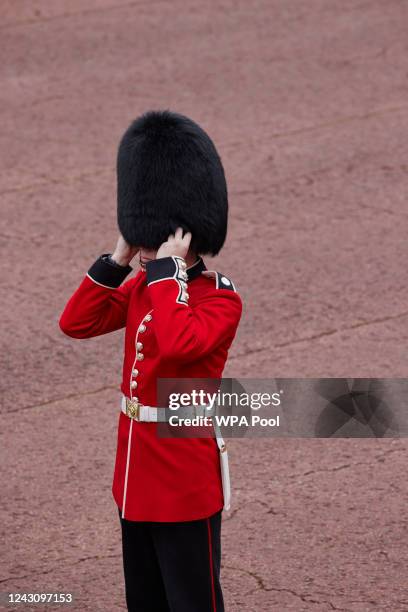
(100, 303)
(184, 332)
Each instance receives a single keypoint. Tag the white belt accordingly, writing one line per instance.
(138, 412)
(153, 414)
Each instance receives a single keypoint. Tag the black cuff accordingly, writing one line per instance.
(107, 272)
(164, 268)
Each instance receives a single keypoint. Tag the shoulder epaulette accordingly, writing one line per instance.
(221, 281)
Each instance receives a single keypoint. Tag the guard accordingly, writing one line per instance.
(180, 320)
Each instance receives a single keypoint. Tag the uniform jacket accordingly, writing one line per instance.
(179, 323)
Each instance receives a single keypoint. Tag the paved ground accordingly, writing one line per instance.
(307, 102)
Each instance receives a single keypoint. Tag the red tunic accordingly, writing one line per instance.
(169, 334)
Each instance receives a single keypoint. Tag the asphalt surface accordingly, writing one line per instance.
(307, 104)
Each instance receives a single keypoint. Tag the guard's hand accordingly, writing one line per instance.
(124, 252)
(176, 245)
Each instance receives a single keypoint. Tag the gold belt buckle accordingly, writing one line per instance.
(132, 409)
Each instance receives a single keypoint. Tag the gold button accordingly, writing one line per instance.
(140, 356)
(139, 346)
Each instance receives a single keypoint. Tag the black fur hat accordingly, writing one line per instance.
(170, 174)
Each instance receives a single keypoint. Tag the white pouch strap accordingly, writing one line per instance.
(225, 476)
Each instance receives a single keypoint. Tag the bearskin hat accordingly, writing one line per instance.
(170, 175)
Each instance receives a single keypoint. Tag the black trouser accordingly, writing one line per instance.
(172, 567)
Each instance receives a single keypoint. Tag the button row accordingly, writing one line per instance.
(139, 356)
(182, 277)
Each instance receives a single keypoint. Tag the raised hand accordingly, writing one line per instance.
(175, 245)
(124, 252)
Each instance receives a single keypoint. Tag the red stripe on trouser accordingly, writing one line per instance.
(211, 565)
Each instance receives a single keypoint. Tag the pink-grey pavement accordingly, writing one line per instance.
(307, 103)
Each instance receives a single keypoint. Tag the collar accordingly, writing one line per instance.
(195, 269)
